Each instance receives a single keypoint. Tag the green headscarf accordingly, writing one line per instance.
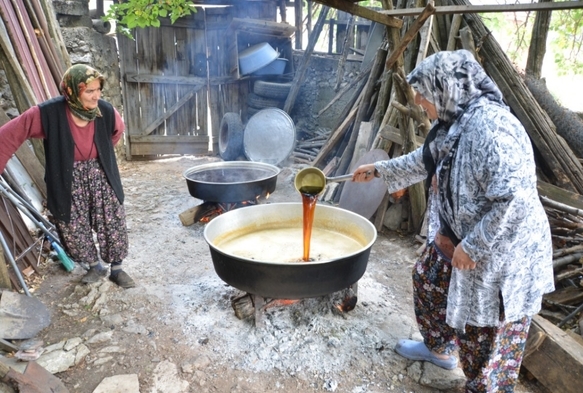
(74, 83)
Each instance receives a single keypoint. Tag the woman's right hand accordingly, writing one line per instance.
(364, 173)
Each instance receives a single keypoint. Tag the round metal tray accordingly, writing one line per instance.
(269, 136)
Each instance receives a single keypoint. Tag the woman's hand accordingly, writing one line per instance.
(364, 173)
(461, 260)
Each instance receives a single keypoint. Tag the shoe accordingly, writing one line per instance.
(416, 350)
(93, 275)
(123, 280)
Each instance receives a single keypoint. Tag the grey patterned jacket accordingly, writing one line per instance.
(494, 209)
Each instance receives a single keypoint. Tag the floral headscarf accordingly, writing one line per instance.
(74, 83)
(452, 81)
(456, 84)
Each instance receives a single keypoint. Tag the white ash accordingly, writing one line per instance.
(306, 338)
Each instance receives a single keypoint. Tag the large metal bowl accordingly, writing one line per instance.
(233, 181)
(294, 280)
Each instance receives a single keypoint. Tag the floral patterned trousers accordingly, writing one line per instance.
(490, 356)
(94, 209)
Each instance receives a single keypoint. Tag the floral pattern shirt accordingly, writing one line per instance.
(494, 206)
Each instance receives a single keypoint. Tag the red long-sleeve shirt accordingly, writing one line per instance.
(28, 125)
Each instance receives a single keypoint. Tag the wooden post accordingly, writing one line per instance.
(298, 22)
(453, 32)
(342, 61)
(301, 72)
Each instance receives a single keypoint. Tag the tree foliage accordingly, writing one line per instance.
(130, 14)
(565, 37)
(568, 40)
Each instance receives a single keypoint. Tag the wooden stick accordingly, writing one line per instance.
(409, 35)
(335, 137)
(566, 251)
(363, 107)
(360, 77)
(560, 206)
(563, 261)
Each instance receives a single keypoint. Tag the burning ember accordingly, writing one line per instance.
(248, 305)
(209, 210)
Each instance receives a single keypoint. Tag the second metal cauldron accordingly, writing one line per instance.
(283, 280)
(233, 181)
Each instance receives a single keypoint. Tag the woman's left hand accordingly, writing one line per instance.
(461, 260)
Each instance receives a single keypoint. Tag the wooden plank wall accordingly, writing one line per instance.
(166, 65)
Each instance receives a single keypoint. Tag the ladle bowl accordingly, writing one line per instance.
(312, 180)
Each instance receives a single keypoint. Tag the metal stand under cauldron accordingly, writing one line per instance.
(249, 305)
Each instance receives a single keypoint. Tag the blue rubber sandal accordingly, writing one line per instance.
(415, 350)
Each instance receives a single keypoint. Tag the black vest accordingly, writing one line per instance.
(60, 153)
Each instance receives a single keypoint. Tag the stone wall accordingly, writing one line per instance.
(318, 90)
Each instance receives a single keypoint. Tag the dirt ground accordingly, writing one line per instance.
(179, 317)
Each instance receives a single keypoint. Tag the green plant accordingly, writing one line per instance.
(130, 14)
(568, 40)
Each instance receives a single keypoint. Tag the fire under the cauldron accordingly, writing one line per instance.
(208, 210)
(248, 305)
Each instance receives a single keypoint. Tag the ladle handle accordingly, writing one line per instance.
(339, 178)
(343, 177)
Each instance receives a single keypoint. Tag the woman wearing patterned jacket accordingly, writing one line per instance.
(489, 255)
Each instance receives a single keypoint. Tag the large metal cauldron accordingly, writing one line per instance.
(284, 280)
(232, 181)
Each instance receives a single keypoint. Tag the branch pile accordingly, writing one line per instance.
(382, 115)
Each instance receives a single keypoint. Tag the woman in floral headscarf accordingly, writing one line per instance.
(84, 190)
(489, 255)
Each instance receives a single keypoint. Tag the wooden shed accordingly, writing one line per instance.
(178, 80)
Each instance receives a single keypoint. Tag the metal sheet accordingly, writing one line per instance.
(364, 198)
(269, 136)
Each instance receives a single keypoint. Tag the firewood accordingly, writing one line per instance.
(243, 306)
(561, 206)
(562, 261)
(187, 216)
(568, 274)
(566, 251)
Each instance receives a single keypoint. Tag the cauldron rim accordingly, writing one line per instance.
(289, 264)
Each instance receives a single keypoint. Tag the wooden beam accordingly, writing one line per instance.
(409, 35)
(479, 9)
(363, 12)
(554, 357)
(178, 80)
(169, 112)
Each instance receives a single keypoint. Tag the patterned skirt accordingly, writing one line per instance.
(490, 356)
(97, 216)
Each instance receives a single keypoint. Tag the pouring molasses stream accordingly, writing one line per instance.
(310, 182)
